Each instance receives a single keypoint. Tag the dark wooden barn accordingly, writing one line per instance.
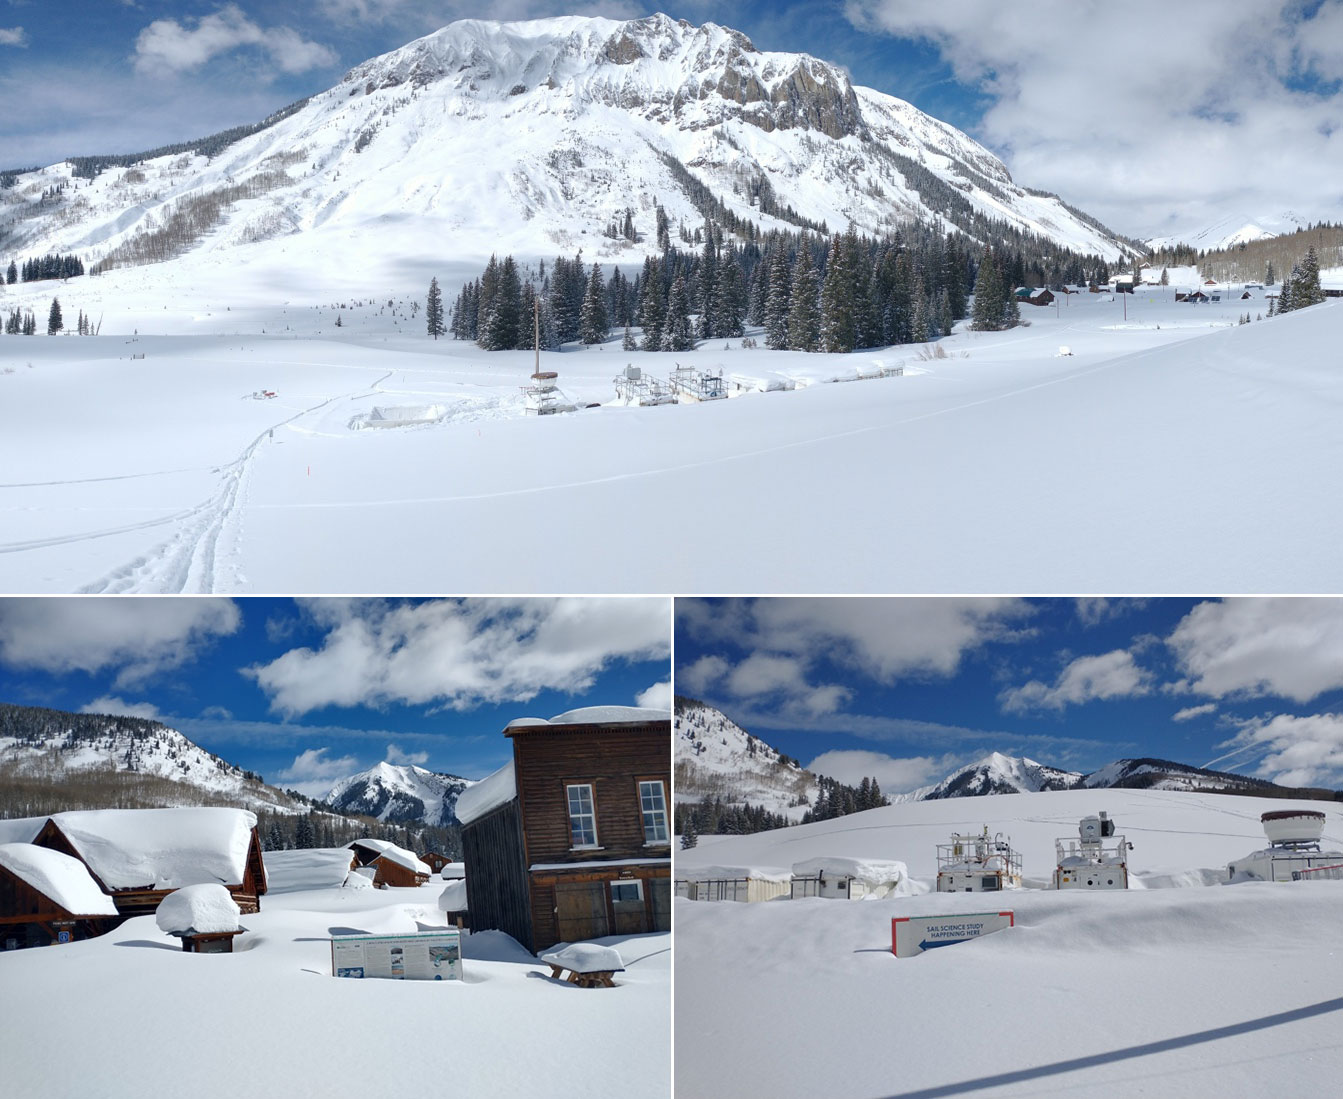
(395, 865)
(571, 840)
(435, 861)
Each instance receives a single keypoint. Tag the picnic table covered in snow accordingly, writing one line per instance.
(590, 965)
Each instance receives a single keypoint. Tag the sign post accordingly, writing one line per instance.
(911, 935)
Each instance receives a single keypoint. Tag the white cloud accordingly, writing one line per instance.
(764, 673)
(460, 654)
(703, 675)
(1249, 648)
(397, 756)
(13, 36)
(894, 776)
(168, 45)
(1295, 751)
(1139, 118)
(110, 704)
(1109, 675)
(313, 765)
(1191, 712)
(140, 638)
(656, 697)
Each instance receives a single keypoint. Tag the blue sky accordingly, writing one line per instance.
(309, 691)
(908, 689)
(1157, 118)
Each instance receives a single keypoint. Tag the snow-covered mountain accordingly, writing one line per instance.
(716, 758)
(400, 793)
(1233, 229)
(537, 137)
(1000, 774)
(1163, 774)
(54, 748)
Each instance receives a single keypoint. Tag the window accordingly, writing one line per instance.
(582, 816)
(653, 801)
(626, 891)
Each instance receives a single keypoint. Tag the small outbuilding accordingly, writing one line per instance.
(848, 879)
(732, 883)
(394, 865)
(204, 917)
(47, 897)
(435, 860)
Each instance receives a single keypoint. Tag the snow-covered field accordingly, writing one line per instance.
(1172, 450)
(130, 1013)
(1228, 990)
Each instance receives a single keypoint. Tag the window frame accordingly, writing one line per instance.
(591, 812)
(638, 890)
(643, 813)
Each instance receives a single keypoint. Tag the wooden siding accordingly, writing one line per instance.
(613, 760)
(393, 873)
(496, 875)
(29, 916)
(554, 918)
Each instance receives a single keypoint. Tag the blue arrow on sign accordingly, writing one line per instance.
(926, 945)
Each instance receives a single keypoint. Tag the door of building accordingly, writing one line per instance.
(580, 910)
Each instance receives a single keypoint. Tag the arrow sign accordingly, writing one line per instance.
(911, 935)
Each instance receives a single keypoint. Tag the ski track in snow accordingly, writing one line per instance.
(189, 561)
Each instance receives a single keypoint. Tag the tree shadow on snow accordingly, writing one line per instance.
(1147, 1049)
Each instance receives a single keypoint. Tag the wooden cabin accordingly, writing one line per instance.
(394, 865)
(139, 856)
(435, 860)
(47, 897)
(571, 839)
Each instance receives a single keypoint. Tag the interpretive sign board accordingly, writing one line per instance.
(912, 935)
(425, 956)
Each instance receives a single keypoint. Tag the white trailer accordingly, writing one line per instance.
(1089, 862)
(1294, 849)
(977, 864)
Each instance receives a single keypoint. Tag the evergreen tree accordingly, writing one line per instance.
(677, 335)
(652, 308)
(987, 313)
(1287, 296)
(708, 286)
(1165, 277)
(12, 274)
(1307, 290)
(776, 305)
(730, 298)
(592, 324)
(433, 310)
(689, 837)
(629, 343)
(502, 329)
(804, 318)
(1269, 275)
(54, 322)
(839, 330)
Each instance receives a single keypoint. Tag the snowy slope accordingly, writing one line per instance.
(51, 743)
(1232, 229)
(532, 137)
(398, 793)
(1177, 992)
(718, 759)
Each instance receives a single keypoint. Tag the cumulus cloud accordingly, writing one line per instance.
(167, 44)
(140, 638)
(703, 675)
(403, 758)
(1151, 124)
(656, 697)
(1111, 675)
(1292, 750)
(1248, 648)
(110, 704)
(893, 775)
(459, 654)
(314, 765)
(13, 36)
(1191, 712)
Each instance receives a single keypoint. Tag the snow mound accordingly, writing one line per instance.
(871, 871)
(453, 897)
(361, 877)
(64, 879)
(198, 910)
(399, 416)
(595, 715)
(453, 871)
(730, 873)
(587, 958)
(311, 868)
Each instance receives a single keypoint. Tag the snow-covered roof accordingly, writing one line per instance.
(198, 909)
(21, 829)
(872, 871)
(453, 897)
(310, 868)
(161, 848)
(593, 715)
(452, 871)
(392, 853)
(58, 876)
(731, 873)
(489, 793)
(587, 958)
